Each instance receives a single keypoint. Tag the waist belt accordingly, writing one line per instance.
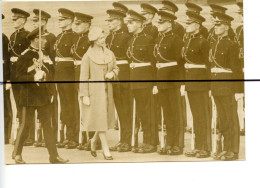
(136, 65)
(162, 65)
(194, 66)
(77, 62)
(13, 59)
(121, 62)
(220, 70)
(57, 59)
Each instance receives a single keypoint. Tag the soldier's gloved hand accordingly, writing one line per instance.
(182, 90)
(52, 97)
(8, 85)
(155, 90)
(86, 100)
(239, 96)
(39, 75)
(109, 76)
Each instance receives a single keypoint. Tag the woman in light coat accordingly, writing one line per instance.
(98, 111)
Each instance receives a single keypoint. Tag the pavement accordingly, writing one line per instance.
(34, 155)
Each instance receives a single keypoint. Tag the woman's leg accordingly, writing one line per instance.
(102, 136)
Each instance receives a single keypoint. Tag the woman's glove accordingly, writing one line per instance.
(86, 100)
(109, 76)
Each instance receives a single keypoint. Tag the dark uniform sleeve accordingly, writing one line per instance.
(205, 55)
(6, 58)
(51, 39)
(231, 34)
(236, 66)
(22, 74)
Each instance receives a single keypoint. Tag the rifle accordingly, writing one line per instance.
(162, 132)
(133, 128)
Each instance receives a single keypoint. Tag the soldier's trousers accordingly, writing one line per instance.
(16, 93)
(45, 118)
(64, 71)
(54, 116)
(8, 115)
(199, 104)
(122, 99)
(228, 122)
(143, 98)
(171, 103)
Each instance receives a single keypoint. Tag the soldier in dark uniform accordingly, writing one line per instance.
(82, 24)
(49, 56)
(224, 58)
(197, 9)
(31, 69)
(212, 37)
(117, 42)
(64, 71)
(124, 9)
(140, 54)
(17, 44)
(177, 28)
(169, 64)
(148, 11)
(8, 115)
(196, 56)
(240, 40)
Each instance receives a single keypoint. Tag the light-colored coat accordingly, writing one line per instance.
(100, 114)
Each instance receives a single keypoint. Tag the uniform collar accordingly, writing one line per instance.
(84, 34)
(166, 34)
(67, 31)
(225, 37)
(196, 35)
(20, 30)
(118, 31)
(148, 24)
(139, 34)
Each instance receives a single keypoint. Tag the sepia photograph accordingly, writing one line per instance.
(123, 81)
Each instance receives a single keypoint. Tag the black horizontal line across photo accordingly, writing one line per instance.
(134, 81)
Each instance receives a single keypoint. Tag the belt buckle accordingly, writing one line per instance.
(132, 65)
(158, 65)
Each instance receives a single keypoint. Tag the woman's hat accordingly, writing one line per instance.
(95, 33)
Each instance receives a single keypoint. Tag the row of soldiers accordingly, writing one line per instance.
(167, 53)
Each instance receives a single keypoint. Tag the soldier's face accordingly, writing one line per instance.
(35, 23)
(113, 24)
(18, 22)
(62, 23)
(191, 27)
(81, 27)
(220, 29)
(133, 26)
(163, 26)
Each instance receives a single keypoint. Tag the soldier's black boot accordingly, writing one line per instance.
(60, 144)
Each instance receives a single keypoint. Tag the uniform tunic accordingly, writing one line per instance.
(94, 68)
(117, 42)
(168, 49)
(34, 96)
(224, 55)
(196, 53)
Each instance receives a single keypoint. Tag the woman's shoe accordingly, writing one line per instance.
(92, 151)
(108, 157)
